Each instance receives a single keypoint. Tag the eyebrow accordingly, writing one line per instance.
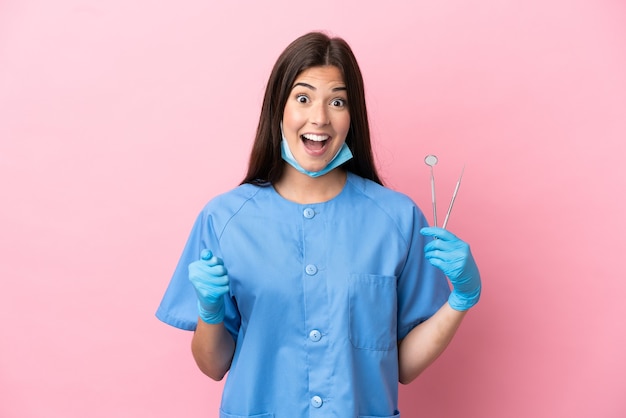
(308, 86)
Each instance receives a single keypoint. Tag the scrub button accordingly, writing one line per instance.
(316, 401)
(315, 335)
(308, 213)
(310, 269)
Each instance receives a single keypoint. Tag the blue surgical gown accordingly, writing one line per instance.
(320, 294)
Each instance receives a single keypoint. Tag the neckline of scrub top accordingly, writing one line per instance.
(349, 175)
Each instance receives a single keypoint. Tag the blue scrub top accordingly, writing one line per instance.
(320, 294)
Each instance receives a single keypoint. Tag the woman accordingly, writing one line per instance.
(316, 288)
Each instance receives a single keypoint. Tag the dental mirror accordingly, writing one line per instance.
(431, 161)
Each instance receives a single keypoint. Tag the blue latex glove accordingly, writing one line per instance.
(210, 280)
(454, 258)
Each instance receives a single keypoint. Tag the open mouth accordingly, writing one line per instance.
(314, 142)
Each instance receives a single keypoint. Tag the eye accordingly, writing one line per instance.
(302, 98)
(338, 103)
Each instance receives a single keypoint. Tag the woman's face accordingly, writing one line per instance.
(316, 118)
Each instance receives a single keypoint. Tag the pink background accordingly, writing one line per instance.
(120, 119)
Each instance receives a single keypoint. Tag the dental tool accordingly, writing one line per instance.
(456, 190)
(431, 161)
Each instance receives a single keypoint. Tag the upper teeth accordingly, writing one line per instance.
(314, 137)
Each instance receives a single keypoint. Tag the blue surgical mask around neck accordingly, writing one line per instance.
(343, 155)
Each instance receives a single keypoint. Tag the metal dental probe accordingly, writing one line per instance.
(456, 189)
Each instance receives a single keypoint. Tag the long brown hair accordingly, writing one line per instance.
(313, 49)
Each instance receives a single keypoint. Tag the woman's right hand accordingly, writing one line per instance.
(210, 280)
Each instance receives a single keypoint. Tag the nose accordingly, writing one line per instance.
(319, 114)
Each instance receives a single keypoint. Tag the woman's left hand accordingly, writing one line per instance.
(454, 258)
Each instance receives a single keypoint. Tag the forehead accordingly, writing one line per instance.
(328, 74)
